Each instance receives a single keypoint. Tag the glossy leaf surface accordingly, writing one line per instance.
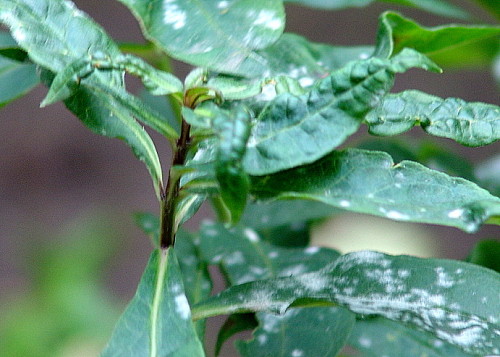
(317, 331)
(456, 301)
(397, 32)
(218, 35)
(157, 321)
(370, 182)
(471, 124)
(375, 337)
(295, 130)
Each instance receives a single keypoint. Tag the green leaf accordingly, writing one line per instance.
(261, 215)
(456, 301)
(220, 36)
(487, 254)
(233, 325)
(22, 74)
(471, 124)
(56, 34)
(375, 337)
(157, 321)
(397, 32)
(318, 331)
(296, 130)
(234, 183)
(370, 182)
(105, 115)
(295, 56)
(245, 257)
(10, 49)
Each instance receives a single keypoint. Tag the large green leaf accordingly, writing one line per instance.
(295, 130)
(218, 35)
(244, 257)
(370, 182)
(396, 32)
(377, 336)
(157, 321)
(318, 331)
(471, 124)
(56, 34)
(22, 74)
(456, 301)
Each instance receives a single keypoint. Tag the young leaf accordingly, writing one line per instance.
(397, 32)
(296, 130)
(220, 36)
(157, 322)
(376, 336)
(234, 183)
(22, 74)
(406, 191)
(471, 124)
(456, 301)
(317, 331)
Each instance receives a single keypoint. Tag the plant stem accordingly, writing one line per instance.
(171, 193)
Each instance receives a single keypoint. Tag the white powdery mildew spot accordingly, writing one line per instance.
(251, 235)
(443, 279)
(19, 34)
(223, 4)
(365, 341)
(268, 19)
(313, 282)
(235, 258)
(456, 213)
(182, 307)
(311, 250)
(361, 258)
(388, 278)
(294, 270)
(392, 214)
(173, 15)
(262, 339)
(297, 353)
(344, 203)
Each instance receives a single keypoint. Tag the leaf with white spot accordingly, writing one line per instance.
(377, 336)
(157, 322)
(455, 301)
(219, 35)
(245, 257)
(471, 124)
(370, 182)
(295, 130)
(317, 331)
